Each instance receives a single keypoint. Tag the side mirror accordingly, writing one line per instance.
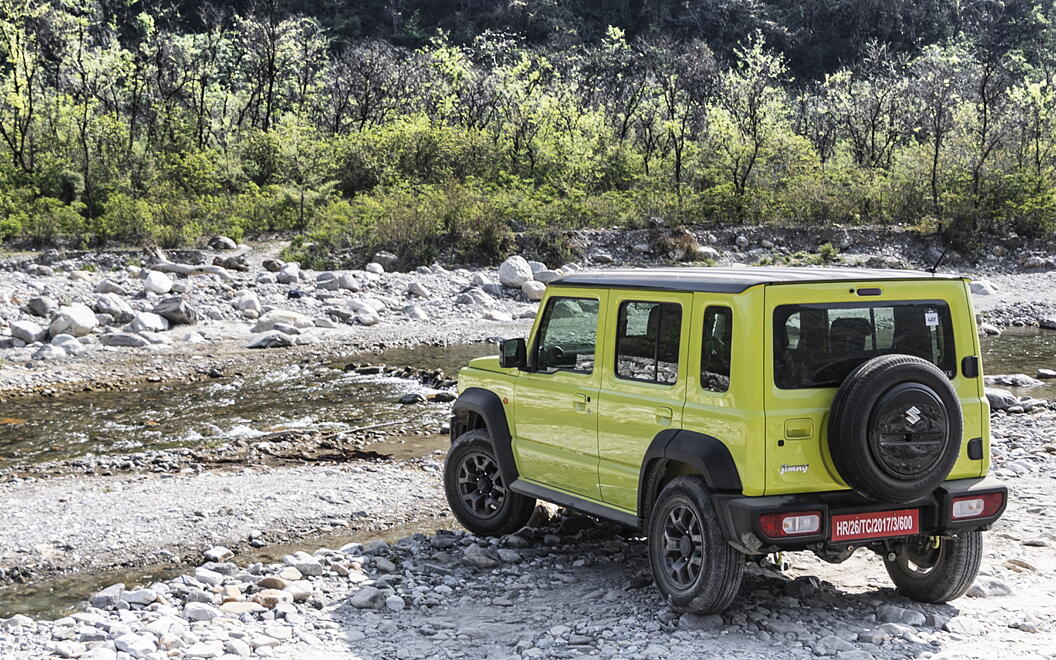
(513, 354)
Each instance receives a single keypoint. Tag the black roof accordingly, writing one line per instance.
(732, 280)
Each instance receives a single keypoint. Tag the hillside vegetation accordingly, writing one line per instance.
(424, 126)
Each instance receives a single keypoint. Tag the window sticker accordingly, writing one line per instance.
(931, 318)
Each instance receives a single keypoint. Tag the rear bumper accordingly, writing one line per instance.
(739, 515)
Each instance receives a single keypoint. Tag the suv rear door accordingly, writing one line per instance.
(643, 386)
(817, 333)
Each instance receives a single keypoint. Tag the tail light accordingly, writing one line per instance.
(796, 523)
(976, 506)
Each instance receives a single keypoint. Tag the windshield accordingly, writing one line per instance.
(819, 345)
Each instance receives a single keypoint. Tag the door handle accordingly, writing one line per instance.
(579, 401)
(664, 415)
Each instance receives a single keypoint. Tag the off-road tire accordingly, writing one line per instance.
(714, 586)
(956, 564)
(473, 455)
(855, 440)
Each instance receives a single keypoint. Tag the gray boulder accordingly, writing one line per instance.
(76, 319)
(157, 282)
(115, 306)
(148, 322)
(289, 274)
(386, 259)
(983, 287)
(271, 339)
(110, 286)
(28, 331)
(43, 306)
(1000, 399)
(514, 272)
(546, 276)
(177, 310)
(123, 340)
(222, 243)
(49, 352)
(534, 290)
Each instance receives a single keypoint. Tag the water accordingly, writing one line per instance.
(1022, 350)
(162, 416)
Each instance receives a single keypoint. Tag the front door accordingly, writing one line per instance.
(556, 437)
(643, 387)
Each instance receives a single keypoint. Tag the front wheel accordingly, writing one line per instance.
(695, 569)
(477, 493)
(936, 569)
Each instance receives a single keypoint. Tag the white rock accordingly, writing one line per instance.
(277, 316)
(374, 267)
(200, 611)
(218, 553)
(348, 282)
(157, 282)
(139, 596)
(148, 322)
(76, 319)
(288, 274)
(28, 331)
(983, 287)
(49, 352)
(515, 271)
(115, 306)
(496, 315)
(415, 312)
(213, 649)
(534, 290)
(137, 646)
(247, 300)
(418, 289)
(367, 318)
(536, 266)
(305, 563)
(110, 286)
(394, 603)
(266, 278)
(480, 279)
(206, 576)
(547, 276)
(68, 343)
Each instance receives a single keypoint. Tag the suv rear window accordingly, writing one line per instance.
(647, 337)
(819, 345)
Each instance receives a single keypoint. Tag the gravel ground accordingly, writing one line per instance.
(454, 595)
(95, 523)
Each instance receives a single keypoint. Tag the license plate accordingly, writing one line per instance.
(875, 525)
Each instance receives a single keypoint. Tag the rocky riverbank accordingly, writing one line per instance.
(437, 595)
(72, 321)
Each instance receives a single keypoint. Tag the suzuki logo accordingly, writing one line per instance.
(913, 415)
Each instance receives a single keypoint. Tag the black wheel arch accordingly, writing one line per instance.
(476, 408)
(703, 453)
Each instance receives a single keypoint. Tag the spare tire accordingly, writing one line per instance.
(895, 428)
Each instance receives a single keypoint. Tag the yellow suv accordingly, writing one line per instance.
(727, 413)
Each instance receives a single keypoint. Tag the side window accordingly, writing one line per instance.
(647, 341)
(715, 349)
(567, 335)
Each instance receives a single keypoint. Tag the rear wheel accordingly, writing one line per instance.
(476, 491)
(694, 568)
(935, 569)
